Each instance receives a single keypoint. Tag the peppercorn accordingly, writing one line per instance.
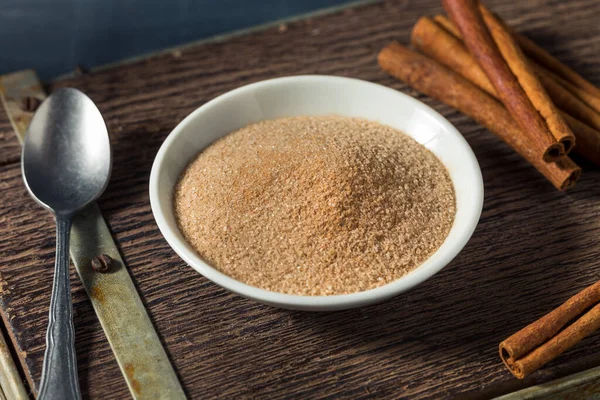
(30, 103)
(102, 263)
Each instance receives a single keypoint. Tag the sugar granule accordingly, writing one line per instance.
(315, 205)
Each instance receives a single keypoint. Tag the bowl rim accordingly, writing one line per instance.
(343, 301)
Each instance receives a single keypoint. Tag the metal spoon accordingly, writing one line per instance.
(66, 164)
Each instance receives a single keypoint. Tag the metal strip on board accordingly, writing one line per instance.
(582, 385)
(11, 383)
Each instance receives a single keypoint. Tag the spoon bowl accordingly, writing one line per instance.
(66, 165)
(66, 158)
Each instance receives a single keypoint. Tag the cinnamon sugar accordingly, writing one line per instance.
(315, 205)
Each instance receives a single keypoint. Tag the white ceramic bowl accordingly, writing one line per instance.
(318, 95)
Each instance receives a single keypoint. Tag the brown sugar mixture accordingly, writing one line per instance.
(315, 205)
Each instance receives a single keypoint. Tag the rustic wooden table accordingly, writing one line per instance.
(534, 246)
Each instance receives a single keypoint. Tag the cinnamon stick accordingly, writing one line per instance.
(467, 16)
(568, 102)
(592, 101)
(446, 47)
(548, 337)
(436, 42)
(435, 80)
(588, 139)
(542, 61)
(528, 79)
(547, 60)
(447, 24)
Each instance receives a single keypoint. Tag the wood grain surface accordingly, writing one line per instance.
(533, 248)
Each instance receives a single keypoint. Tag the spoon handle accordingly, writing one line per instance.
(59, 374)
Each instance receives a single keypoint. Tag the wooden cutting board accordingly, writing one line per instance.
(534, 246)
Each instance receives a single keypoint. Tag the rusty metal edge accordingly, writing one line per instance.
(585, 384)
(29, 85)
(11, 383)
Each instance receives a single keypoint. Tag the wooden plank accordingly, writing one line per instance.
(533, 248)
(9, 144)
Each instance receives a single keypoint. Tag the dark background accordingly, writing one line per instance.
(54, 36)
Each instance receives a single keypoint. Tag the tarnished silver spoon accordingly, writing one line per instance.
(66, 165)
